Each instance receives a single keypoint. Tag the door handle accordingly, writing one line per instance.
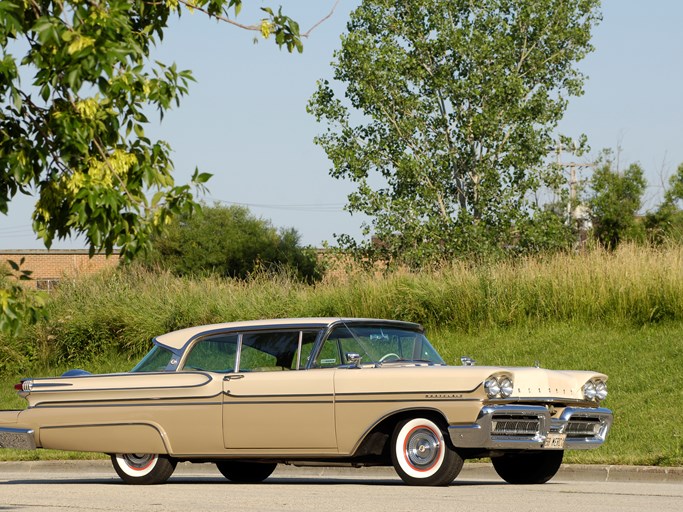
(233, 377)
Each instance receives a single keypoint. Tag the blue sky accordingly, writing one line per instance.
(245, 119)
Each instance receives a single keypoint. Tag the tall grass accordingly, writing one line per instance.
(122, 310)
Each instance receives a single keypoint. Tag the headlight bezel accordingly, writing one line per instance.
(498, 386)
(601, 390)
(507, 387)
(595, 390)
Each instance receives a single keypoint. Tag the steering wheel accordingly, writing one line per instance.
(390, 354)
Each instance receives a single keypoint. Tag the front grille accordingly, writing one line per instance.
(516, 426)
(583, 427)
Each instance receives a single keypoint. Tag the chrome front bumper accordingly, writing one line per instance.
(526, 427)
(17, 438)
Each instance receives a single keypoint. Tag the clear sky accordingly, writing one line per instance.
(245, 119)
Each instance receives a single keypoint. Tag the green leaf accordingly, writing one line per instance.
(16, 99)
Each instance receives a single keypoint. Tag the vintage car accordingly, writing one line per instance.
(247, 396)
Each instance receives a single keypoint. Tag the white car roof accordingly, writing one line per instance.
(178, 339)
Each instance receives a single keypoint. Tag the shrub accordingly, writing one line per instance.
(230, 242)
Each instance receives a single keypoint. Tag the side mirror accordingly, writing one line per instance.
(353, 359)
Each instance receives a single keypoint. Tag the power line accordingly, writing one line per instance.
(15, 230)
(312, 208)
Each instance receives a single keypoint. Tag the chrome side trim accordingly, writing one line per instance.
(37, 383)
(495, 428)
(419, 395)
(84, 405)
(541, 400)
(17, 438)
(155, 426)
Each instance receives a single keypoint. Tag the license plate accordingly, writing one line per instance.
(554, 441)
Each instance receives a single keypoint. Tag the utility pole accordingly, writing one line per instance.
(573, 181)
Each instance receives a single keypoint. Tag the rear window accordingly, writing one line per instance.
(156, 360)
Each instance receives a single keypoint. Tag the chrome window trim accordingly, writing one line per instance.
(310, 325)
(238, 356)
(298, 349)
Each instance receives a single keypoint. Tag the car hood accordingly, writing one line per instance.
(529, 382)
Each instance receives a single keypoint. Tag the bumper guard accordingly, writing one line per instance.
(17, 438)
(526, 427)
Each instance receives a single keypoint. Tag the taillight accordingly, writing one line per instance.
(25, 385)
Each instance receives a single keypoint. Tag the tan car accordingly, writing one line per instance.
(313, 391)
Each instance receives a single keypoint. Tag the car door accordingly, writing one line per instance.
(272, 403)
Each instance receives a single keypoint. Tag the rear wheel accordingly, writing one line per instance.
(245, 472)
(534, 467)
(143, 469)
(420, 454)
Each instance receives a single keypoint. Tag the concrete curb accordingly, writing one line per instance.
(471, 471)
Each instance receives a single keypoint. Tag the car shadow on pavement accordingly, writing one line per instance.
(209, 480)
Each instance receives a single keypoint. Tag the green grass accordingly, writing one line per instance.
(619, 313)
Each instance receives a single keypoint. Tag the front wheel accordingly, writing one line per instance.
(245, 472)
(536, 467)
(420, 454)
(143, 469)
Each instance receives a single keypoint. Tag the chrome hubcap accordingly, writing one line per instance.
(138, 460)
(422, 449)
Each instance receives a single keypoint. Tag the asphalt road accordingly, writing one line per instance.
(95, 487)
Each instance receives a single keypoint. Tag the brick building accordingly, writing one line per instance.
(49, 266)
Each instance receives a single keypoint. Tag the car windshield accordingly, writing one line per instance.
(375, 344)
(156, 360)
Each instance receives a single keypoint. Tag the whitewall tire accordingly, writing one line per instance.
(421, 455)
(143, 469)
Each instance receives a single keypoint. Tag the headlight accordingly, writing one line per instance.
(600, 390)
(492, 387)
(595, 390)
(589, 390)
(506, 387)
(498, 387)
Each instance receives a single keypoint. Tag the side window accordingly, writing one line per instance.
(269, 351)
(307, 344)
(330, 356)
(213, 353)
(339, 343)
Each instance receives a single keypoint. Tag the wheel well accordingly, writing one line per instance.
(376, 442)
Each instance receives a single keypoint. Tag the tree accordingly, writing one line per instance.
(76, 135)
(666, 222)
(451, 104)
(17, 303)
(231, 242)
(615, 200)
(76, 84)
